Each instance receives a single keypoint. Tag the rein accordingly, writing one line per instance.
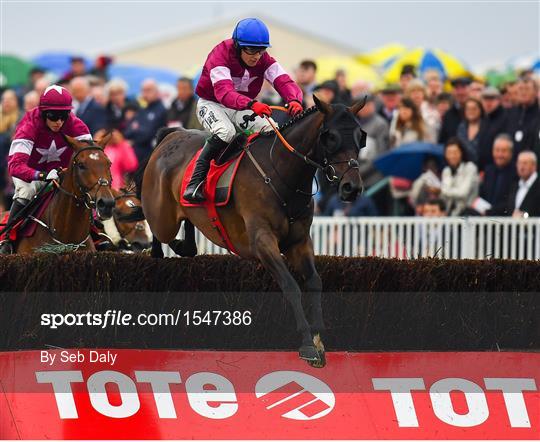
(327, 168)
(87, 200)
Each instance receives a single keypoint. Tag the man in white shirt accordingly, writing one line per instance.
(527, 196)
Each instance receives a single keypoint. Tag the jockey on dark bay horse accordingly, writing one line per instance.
(231, 78)
(39, 149)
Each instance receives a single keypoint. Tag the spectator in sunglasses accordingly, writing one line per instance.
(231, 80)
(39, 150)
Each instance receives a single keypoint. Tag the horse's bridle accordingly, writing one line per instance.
(85, 198)
(325, 166)
(138, 225)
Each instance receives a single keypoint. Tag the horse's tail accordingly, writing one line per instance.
(137, 178)
(136, 181)
(163, 132)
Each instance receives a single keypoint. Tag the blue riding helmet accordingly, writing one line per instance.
(251, 32)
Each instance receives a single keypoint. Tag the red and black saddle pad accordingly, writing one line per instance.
(218, 184)
(26, 227)
(218, 189)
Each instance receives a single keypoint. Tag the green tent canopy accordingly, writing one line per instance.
(13, 71)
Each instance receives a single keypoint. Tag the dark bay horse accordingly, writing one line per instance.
(271, 211)
(84, 185)
(135, 236)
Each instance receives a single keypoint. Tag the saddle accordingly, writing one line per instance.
(25, 226)
(220, 177)
(219, 182)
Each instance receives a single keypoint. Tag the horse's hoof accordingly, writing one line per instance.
(321, 362)
(309, 353)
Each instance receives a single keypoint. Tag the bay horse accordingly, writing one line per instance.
(272, 206)
(134, 236)
(85, 185)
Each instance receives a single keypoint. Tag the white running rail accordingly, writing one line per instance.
(415, 237)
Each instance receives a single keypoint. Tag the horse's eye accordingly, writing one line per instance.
(81, 166)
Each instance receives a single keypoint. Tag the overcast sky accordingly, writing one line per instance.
(478, 32)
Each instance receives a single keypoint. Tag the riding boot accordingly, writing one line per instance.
(195, 189)
(6, 247)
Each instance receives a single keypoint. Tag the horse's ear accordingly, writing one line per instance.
(358, 105)
(73, 142)
(325, 108)
(102, 141)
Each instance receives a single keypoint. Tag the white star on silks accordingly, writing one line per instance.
(57, 88)
(51, 154)
(242, 84)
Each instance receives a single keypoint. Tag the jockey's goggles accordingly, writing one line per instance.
(56, 115)
(252, 50)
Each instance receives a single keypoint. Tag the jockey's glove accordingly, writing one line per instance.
(260, 108)
(294, 107)
(48, 176)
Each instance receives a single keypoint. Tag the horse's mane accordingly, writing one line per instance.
(297, 118)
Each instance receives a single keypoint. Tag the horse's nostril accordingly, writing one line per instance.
(105, 203)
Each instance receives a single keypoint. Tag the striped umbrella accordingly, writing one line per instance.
(426, 59)
(523, 62)
(382, 56)
(327, 67)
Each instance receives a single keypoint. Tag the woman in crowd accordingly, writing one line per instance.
(432, 122)
(472, 129)
(407, 125)
(459, 183)
(122, 156)
(427, 186)
(10, 114)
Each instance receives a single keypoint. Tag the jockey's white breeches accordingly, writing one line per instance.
(225, 122)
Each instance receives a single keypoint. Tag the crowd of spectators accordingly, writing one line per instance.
(487, 134)
(491, 136)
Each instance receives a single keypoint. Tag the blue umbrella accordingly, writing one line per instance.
(407, 160)
(58, 62)
(134, 75)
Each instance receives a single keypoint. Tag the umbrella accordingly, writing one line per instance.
(426, 59)
(134, 75)
(13, 71)
(382, 56)
(407, 160)
(327, 67)
(524, 62)
(58, 62)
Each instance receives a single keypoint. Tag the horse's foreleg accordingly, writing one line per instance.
(157, 250)
(302, 259)
(186, 246)
(265, 246)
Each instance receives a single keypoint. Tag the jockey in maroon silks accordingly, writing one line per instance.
(39, 150)
(231, 79)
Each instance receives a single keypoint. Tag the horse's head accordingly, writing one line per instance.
(135, 233)
(340, 141)
(91, 172)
